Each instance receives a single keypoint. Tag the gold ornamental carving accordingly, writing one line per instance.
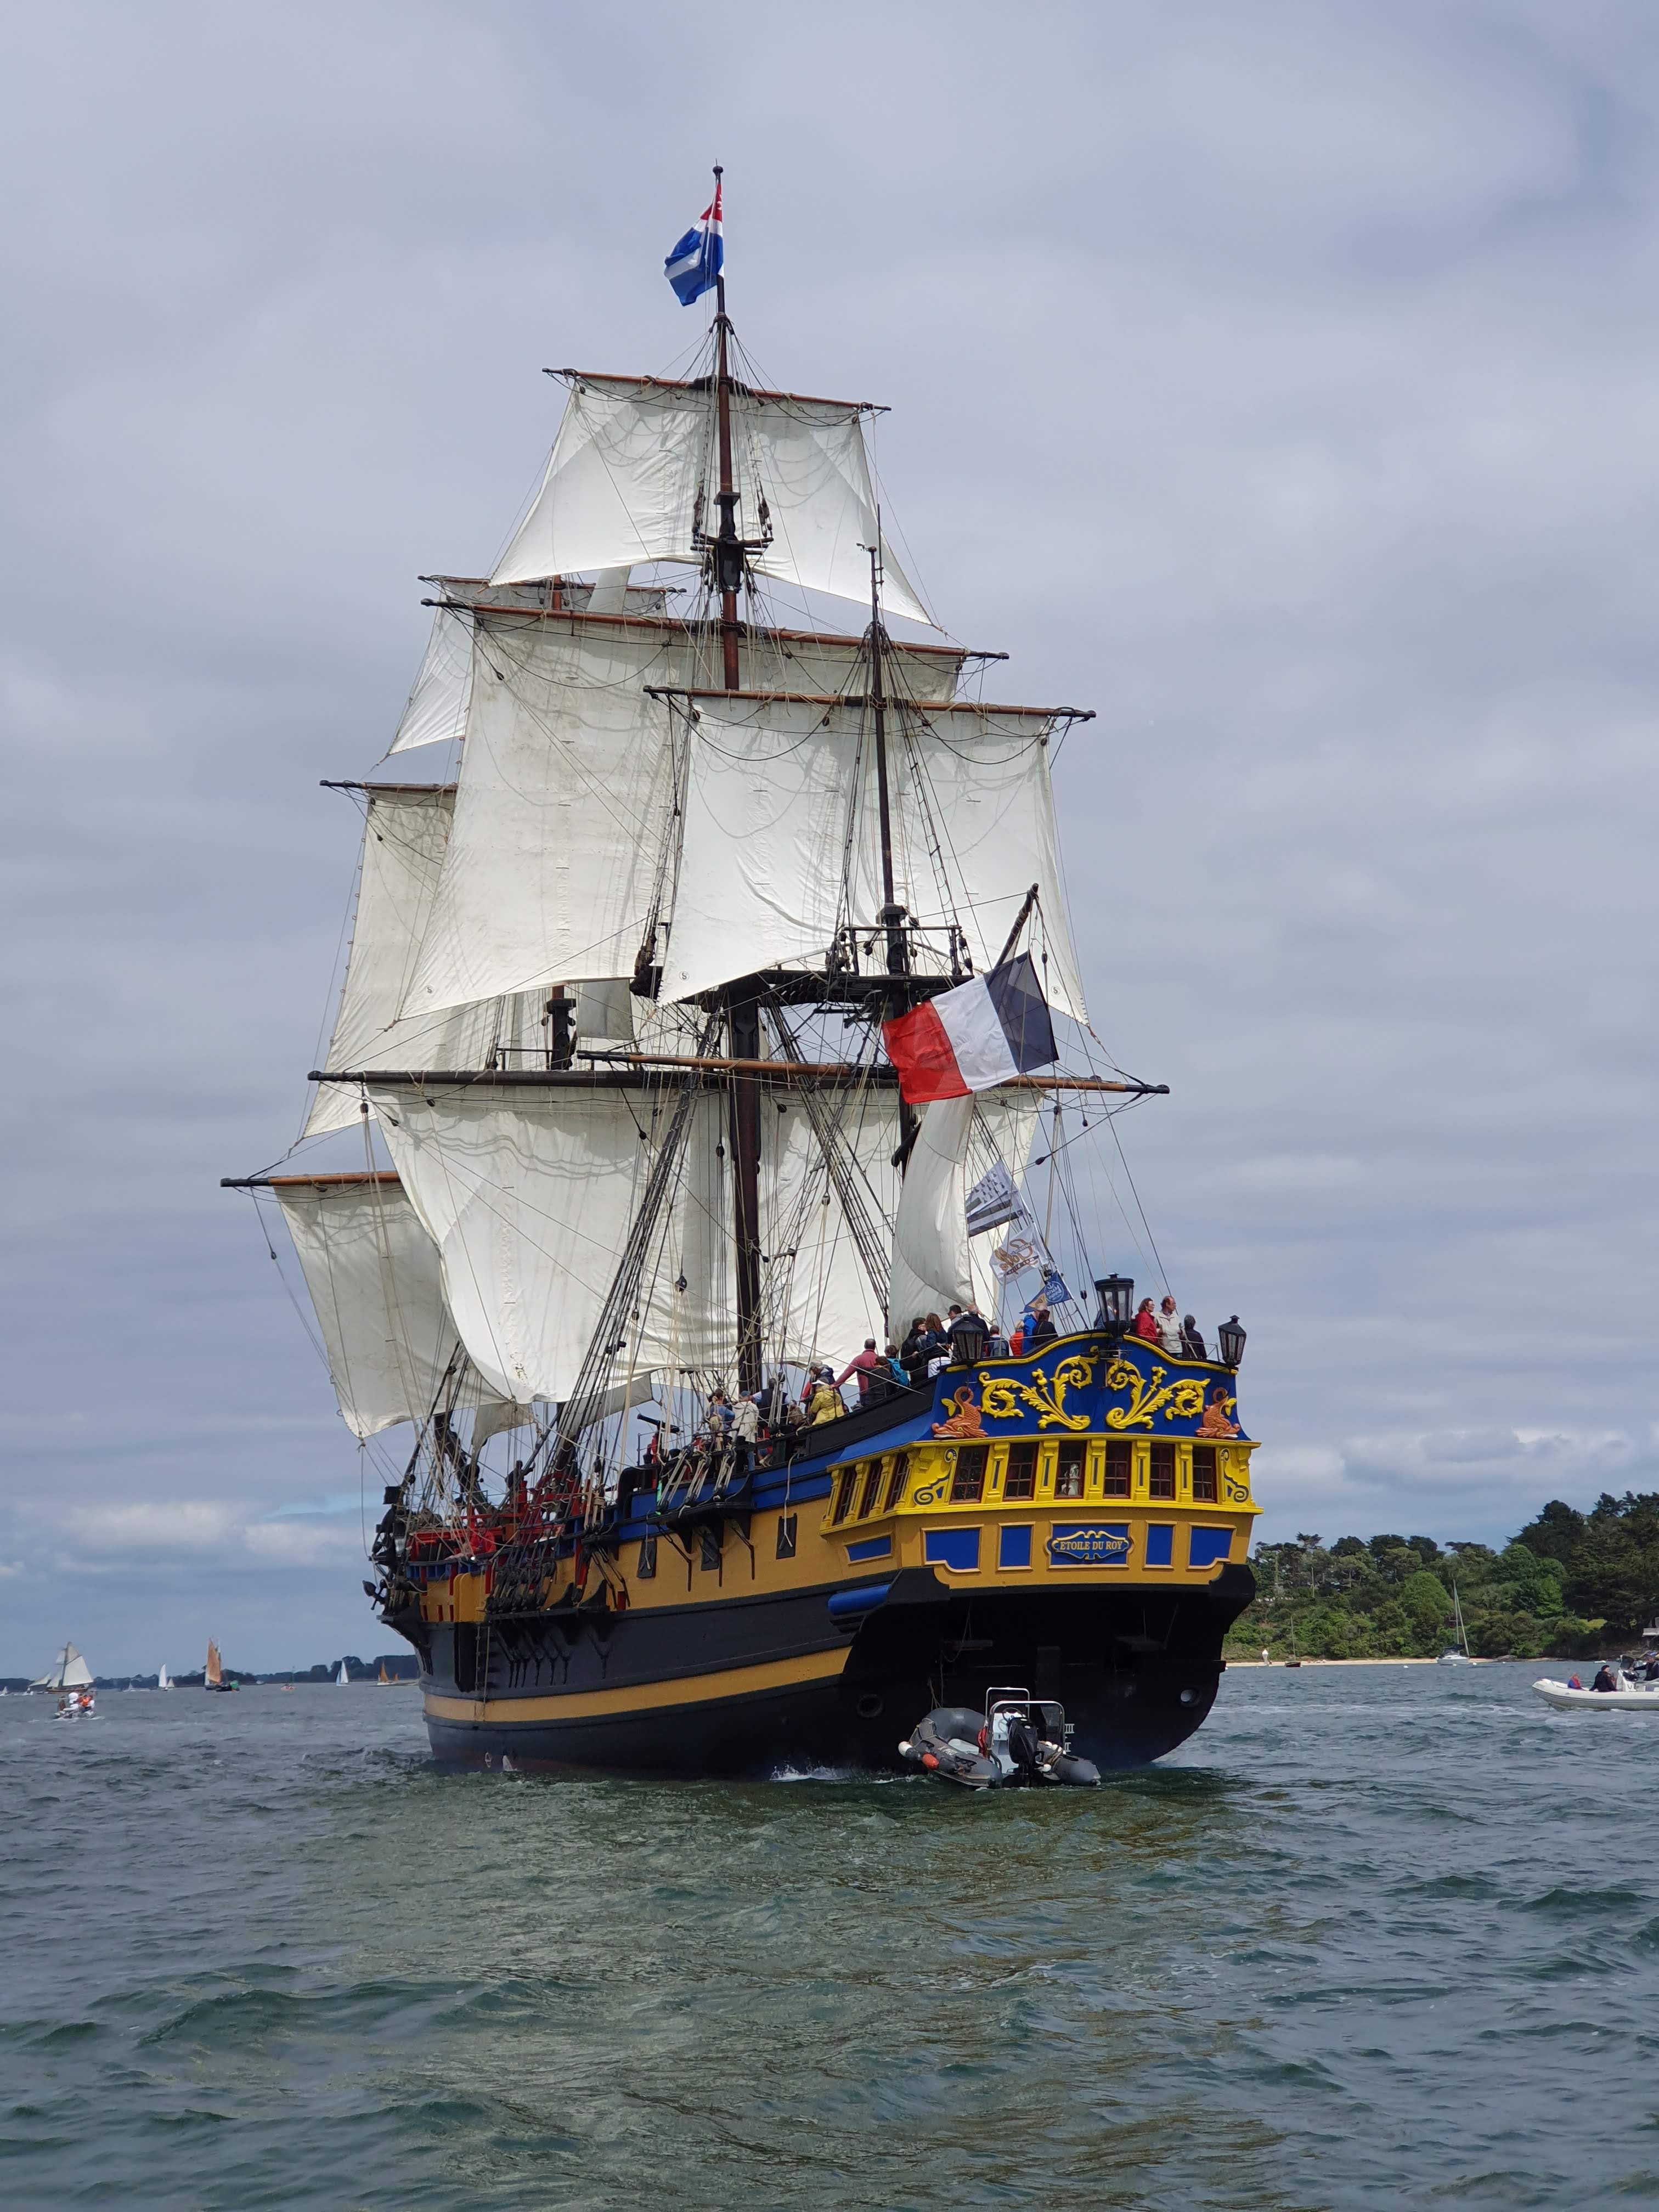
(1150, 1395)
(1004, 1394)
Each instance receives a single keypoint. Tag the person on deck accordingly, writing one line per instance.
(899, 1375)
(867, 1365)
(1041, 1329)
(824, 1401)
(1169, 1328)
(933, 1351)
(745, 1432)
(964, 1322)
(1604, 1680)
(1192, 1339)
(910, 1352)
(1144, 1323)
(718, 1423)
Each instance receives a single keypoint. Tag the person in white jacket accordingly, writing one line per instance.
(1169, 1336)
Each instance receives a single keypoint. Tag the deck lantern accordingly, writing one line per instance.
(1231, 1338)
(1117, 1301)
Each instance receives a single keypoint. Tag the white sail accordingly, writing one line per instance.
(436, 710)
(931, 1270)
(562, 848)
(634, 470)
(780, 845)
(376, 1282)
(566, 788)
(528, 1202)
(163, 1680)
(405, 835)
(68, 1671)
(831, 1304)
(343, 1680)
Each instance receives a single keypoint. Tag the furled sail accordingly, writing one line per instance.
(405, 835)
(780, 845)
(633, 471)
(374, 1279)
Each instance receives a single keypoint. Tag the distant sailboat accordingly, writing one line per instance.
(71, 1677)
(385, 1678)
(163, 1680)
(1460, 1655)
(342, 1680)
(213, 1675)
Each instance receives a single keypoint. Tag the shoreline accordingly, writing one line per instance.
(1270, 1663)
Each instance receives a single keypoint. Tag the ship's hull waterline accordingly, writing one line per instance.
(843, 1702)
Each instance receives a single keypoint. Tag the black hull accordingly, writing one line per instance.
(691, 1690)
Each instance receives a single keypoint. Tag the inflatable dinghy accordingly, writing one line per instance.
(1018, 1742)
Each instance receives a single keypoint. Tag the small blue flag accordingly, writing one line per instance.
(693, 266)
(1055, 1290)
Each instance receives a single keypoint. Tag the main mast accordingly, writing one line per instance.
(892, 913)
(743, 1006)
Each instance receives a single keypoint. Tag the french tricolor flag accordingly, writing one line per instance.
(969, 1039)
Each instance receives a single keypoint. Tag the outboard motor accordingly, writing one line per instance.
(1022, 1746)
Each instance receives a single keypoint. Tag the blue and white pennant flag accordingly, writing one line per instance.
(693, 266)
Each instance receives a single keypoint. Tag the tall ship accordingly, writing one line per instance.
(714, 1292)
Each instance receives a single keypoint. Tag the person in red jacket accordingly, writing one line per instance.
(1144, 1323)
(865, 1365)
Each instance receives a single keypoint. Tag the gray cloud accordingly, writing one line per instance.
(1277, 380)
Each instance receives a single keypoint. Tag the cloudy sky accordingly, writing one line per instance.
(1279, 379)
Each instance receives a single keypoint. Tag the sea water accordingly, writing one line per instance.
(1374, 1937)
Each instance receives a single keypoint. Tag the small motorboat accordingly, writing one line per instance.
(1018, 1742)
(1627, 1695)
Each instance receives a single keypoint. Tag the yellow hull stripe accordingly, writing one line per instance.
(644, 1697)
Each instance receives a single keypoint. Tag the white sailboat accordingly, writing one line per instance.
(342, 1680)
(71, 1677)
(1459, 1655)
(163, 1680)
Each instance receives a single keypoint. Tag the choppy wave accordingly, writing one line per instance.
(1372, 1940)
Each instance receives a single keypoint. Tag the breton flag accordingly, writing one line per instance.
(971, 1038)
(693, 266)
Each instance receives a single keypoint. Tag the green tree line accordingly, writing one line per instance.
(1570, 1584)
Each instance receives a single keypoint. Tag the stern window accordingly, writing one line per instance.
(844, 1487)
(1162, 1482)
(1204, 1475)
(1116, 1484)
(1021, 1480)
(897, 1480)
(1068, 1471)
(967, 1483)
(872, 1496)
